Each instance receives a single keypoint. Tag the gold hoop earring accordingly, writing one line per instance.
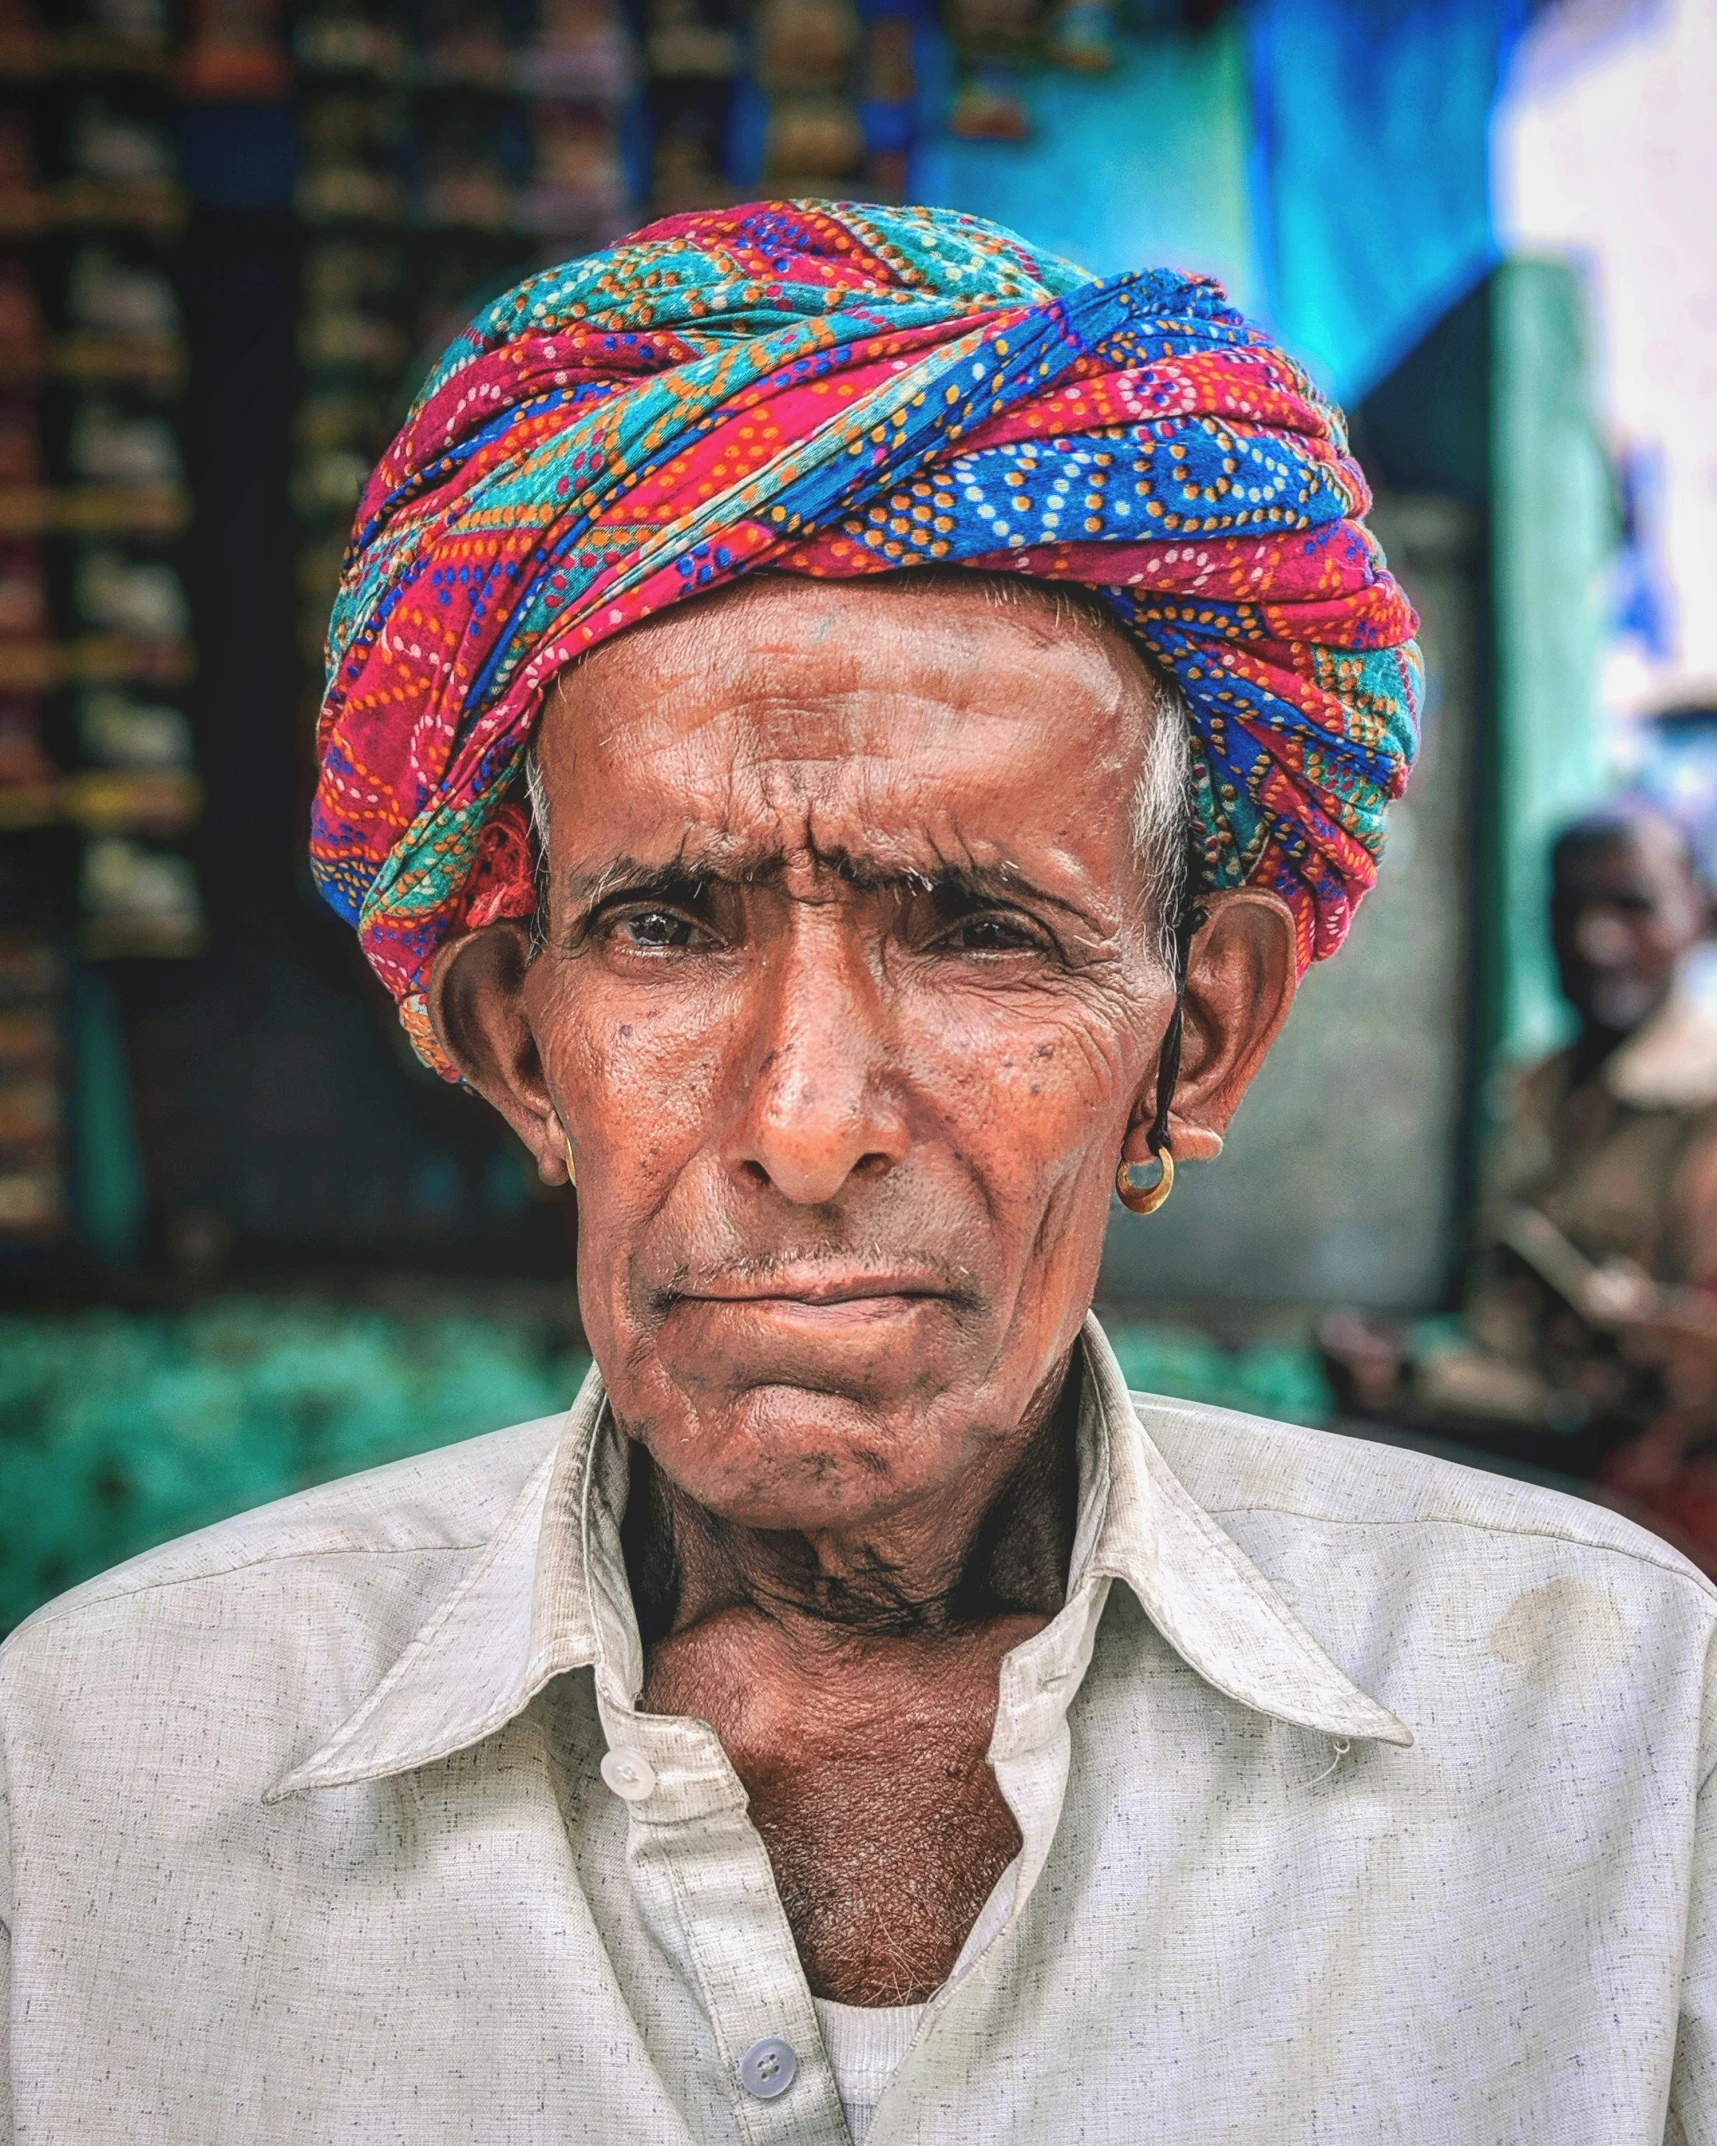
(1145, 1199)
(571, 1166)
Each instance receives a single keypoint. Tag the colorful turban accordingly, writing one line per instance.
(833, 390)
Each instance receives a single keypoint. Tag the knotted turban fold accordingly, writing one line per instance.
(833, 390)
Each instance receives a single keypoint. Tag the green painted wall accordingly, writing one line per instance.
(119, 1430)
(1552, 532)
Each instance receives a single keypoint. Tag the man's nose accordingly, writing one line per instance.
(821, 1108)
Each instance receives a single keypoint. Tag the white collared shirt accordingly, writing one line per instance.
(1367, 1806)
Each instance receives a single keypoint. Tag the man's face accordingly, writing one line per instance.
(848, 988)
(1624, 910)
(848, 996)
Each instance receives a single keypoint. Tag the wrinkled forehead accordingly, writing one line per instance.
(913, 720)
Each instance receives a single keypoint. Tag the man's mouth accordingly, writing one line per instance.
(814, 1291)
(817, 1291)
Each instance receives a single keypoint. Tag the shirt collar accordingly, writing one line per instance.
(549, 1589)
(1670, 1061)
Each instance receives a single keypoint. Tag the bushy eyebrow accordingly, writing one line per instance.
(685, 879)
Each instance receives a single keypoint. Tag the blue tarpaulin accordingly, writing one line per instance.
(1371, 170)
(1327, 160)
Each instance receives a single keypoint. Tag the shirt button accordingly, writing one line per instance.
(768, 2068)
(628, 1775)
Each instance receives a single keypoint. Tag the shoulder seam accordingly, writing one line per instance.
(49, 1614)
(1700, 1583)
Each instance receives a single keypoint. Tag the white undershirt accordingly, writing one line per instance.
(865, 2043)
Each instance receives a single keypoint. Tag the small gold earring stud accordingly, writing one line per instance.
(571, 1166)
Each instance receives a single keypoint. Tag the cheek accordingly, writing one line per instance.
(1016, 1092)
(1041, 1074)
(638, 1074)
(1663, 940)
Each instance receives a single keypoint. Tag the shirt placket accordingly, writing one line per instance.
(705, 1890)
(700, 1873)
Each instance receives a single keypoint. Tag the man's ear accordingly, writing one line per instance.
(1240, 982)
(477, 1006)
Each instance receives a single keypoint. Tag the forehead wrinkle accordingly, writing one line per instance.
(845, 835)
(774, 784)
(767, 713)
(740, 688)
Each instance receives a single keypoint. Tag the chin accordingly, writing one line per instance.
(783, 1415)
(880, 1356)
(791, 1459)
(1622, 1011)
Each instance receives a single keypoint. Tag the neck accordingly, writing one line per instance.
(1592, 1046)
(997, 1543)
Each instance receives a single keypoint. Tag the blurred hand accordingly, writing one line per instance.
(1679, 1339)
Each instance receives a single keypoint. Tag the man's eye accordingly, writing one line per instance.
(990, 934)
(655, 929)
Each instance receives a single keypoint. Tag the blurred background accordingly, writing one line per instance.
(245, 1241)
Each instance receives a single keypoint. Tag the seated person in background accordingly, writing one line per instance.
(1589, 1310)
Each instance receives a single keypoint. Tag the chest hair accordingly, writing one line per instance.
(870, 1784)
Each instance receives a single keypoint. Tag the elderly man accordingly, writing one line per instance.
(1613, 1139)
(858, 1713)
(1593, 1303)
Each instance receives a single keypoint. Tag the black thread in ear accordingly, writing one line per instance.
(1192, 914)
